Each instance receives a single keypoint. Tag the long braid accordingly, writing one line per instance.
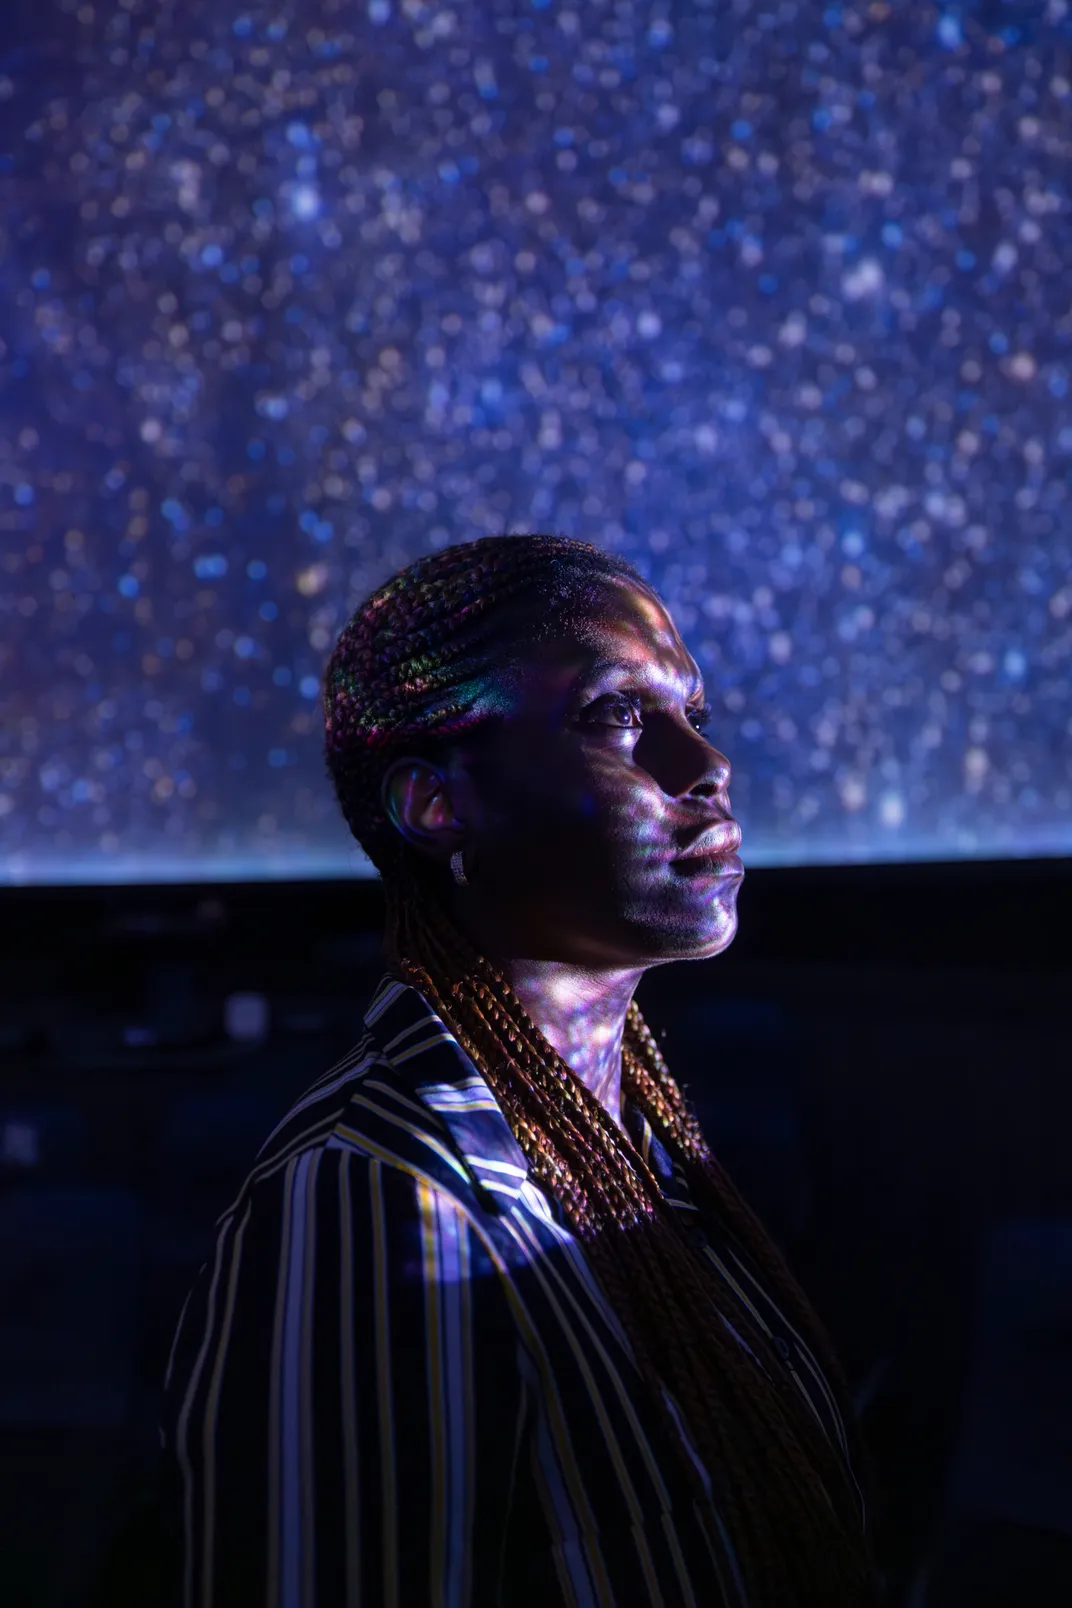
(647, 1079)
(649, 1083)
(405, 671)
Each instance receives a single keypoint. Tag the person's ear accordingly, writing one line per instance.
(417, 800)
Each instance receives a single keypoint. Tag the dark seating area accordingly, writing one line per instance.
(904, 1130)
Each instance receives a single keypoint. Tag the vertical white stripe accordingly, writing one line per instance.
(438, 1408)
(546, 1273)
(382, 1316)
(182, 1450)
(212, 1400)
(458, 1398)
(293, 1474)
(519, 1440)
(562, 1471)
(566, 1535)
(348, 1390)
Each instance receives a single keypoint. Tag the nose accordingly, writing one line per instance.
(684, 763)
(713, 780)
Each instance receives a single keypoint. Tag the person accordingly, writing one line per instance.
(488, 1323)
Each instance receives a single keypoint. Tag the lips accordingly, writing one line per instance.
(711, 843)
(705, 867)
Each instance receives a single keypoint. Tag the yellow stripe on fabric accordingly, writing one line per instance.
(424, 1024)
(319, 1134)
(212, 1404)
(770, 1334)
(388, 991)
(444, 1106)
(399, 1098)
(458, 1088)
(839, 1424)
(673, 1541)
(558, 1553)
(433, 1338)
(716, 1561)
(415, 1132)
(543, 1270)
(646, 1137)
(812, 1365)
(389, 1489)
(733, 1284)
(306, 1355)
(509, 1168)
(348, 1062)
(182, 1447)
(397, 1058)
(275, 1408)
(465, 1302)
(321, 1131)
(369, 1147)
(519, 1431)
(347, 1366)
(556, 1416)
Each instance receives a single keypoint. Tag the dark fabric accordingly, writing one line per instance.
(397, 1383)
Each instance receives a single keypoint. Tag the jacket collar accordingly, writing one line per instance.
(421, 1048)
(424, 1052)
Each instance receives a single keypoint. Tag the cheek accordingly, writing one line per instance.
(624, 797)
(565, 834)
(592, 813)
(628, 805)
(528, 800)
(622, 835)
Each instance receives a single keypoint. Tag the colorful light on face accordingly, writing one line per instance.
(561, 680)
(594, 782)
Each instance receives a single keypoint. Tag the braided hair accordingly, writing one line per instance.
(404, 677)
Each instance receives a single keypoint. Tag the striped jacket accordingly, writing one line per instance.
(396, 1384)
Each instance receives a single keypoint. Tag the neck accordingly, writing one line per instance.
(581, 1013)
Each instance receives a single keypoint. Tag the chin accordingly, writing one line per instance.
(684, 935)
(699, 928)
(711, 941)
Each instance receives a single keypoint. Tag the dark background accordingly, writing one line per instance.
(882, 1059)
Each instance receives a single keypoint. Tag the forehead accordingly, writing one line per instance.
(616, 625)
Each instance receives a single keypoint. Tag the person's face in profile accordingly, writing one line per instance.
(582, 797)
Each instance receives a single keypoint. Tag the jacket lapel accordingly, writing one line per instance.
(422, 1050)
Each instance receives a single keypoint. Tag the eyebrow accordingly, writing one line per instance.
(602, 667)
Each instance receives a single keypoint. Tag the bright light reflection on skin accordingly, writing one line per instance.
(569, 806)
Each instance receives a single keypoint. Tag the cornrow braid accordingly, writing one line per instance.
(405, 668)
(402, 674)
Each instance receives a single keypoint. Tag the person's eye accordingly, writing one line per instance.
(700, 717)
(618, 711)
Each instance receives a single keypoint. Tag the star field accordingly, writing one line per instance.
(771, 298)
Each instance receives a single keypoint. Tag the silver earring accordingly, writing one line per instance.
(457, 865)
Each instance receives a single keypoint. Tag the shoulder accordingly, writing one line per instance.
(359, 1156)
(402, 1097)
(361, 1109)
